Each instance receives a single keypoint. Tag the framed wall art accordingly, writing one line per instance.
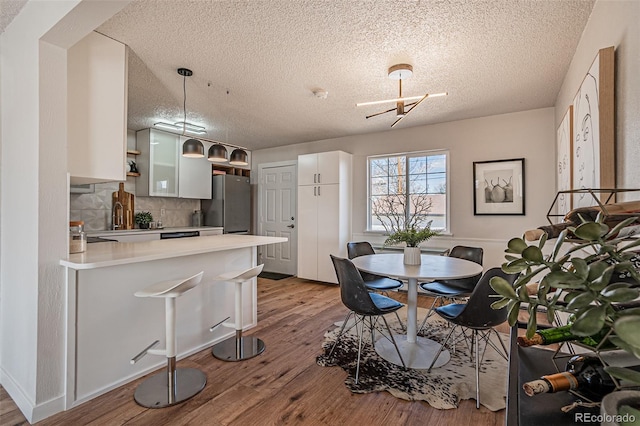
(498, 187)
(564, 163)
(594, 129)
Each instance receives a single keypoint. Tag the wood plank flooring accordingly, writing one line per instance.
(282, 386)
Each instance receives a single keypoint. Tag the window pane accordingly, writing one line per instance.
(379, 167)
(396, 185)
(437, 184)
(418, 165)
(417, 184)
(397, 166)
(379, 186)
(437, 164)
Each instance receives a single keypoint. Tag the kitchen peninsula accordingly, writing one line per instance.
(107, 325)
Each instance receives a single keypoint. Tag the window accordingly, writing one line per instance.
(409, 189)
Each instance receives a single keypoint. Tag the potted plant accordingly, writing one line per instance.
(143, 219)
(589, 281)
(405, 228)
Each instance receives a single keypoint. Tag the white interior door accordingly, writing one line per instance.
(277, 197)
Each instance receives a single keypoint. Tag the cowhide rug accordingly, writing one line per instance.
(442, 388)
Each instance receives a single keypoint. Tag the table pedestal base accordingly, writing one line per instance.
(415, 355)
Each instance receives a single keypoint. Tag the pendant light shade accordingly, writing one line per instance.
(239, 157)
(218, 152)
(193, 148)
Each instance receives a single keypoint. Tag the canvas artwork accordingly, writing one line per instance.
(564, 169)
(498, 187)
(593, 130)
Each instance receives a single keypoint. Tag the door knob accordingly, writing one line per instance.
(291, 226)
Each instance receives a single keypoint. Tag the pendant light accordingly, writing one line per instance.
(192, 148)
(218, 152)
(239, 157)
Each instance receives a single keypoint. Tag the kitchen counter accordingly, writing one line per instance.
(114, 253)
(106, 325)
(108, 232)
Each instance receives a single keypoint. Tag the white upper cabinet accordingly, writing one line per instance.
(164, 172)
(194, 179)
(321, 168)
(97, 110)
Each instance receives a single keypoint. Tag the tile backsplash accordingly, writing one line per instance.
(95, 208)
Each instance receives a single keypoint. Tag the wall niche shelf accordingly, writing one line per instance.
(133, 152)
(218, 169)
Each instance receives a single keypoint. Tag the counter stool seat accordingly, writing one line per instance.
(174, 385)
(240, 347)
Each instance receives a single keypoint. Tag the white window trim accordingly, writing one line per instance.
(447, 230)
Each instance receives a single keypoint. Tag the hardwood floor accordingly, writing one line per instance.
(282, 386)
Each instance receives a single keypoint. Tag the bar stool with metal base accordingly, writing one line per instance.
(176, 384)
(240, 347)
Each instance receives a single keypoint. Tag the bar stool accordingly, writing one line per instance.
(240, 347)
(175, 385)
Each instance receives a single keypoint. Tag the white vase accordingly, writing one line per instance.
(412, 255)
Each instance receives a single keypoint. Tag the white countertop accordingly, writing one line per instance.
(107, 233)
(114, 253)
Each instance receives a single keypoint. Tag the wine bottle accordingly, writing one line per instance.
(584, 374)
(615, 213)
(562, 334)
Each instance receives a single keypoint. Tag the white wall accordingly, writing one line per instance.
(33, 176)
(528, 134)
(613, 23)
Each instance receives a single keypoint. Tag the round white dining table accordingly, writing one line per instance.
(417, 351)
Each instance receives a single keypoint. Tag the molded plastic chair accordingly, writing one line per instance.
(457, 288)
(373, 282)
(363, 305)
(176, 384)
(478, 316)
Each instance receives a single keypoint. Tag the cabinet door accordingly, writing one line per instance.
(194, 179)
(329, 235)
(307, 232)
(308, 169)
(163, 164)
(97, 110)
(328, 171)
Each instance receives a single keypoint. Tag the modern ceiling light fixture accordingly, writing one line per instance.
(239, 157)
(400, 72)
(192, 148)
(218, 152)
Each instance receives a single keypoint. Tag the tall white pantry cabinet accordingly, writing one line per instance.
(324, 213)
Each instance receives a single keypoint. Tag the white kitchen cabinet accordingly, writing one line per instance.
(321, 168)
(324, 219)
(164, 172)
(194, 174)
(97, 110)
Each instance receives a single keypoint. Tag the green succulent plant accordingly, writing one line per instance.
(584, 281)
(143, 218)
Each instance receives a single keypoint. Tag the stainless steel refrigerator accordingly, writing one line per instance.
(230, 204)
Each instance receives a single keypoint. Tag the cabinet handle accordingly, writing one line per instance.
(318, 191)
(314, 191)
(318, 177)
(314, 178)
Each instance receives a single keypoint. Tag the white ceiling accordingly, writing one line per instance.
(256, 63)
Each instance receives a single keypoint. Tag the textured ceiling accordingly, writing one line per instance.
(256, 63)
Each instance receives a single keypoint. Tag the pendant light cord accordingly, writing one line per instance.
(184, 103)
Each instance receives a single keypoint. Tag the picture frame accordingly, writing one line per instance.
(564, 163)
(594, 129)
(499, 187)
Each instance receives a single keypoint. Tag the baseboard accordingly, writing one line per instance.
(31, 411)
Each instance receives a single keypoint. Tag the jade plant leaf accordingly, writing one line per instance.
(516, 245)
(590, 321)
(623, 373)
(533, 254)
(580, 268)
(626, 328)
(591, 231)
(502, 287)
(620, 294)
(563, 279)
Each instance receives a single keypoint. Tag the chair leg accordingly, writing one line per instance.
(393, 340)
(359, 347)
(433, 305)
(475, 338)
(346, 320)
(504, 348)
(402, 326)
(435, 358)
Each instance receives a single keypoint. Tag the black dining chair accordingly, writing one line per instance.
(373, 282)
(363, 305)
(480, 318)
(456, 288)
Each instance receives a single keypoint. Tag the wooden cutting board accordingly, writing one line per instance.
(126, 199)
